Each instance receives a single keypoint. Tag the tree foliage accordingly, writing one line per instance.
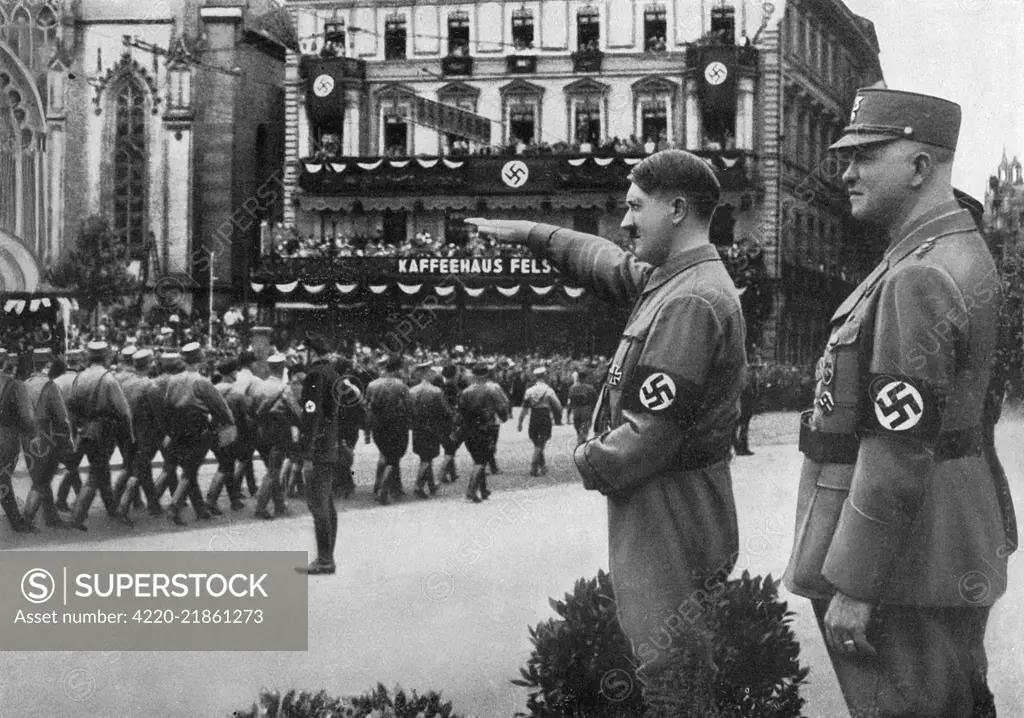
(97, 267)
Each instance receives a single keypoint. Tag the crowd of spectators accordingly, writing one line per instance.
(330, 147)
(288, 244)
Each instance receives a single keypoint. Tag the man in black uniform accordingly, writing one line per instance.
(320, 432)
(351, 418)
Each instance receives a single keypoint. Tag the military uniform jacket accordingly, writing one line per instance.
(239, 406)
(52, 424)
(541, 396)
(671, 395)
(582, 399)
(144, 401)
(16, 416)
(96, 401)
(388, 405)
(274, 402)
(193, 404)
(430, 411)
(320, 412)
(481, 407)
(916, 518)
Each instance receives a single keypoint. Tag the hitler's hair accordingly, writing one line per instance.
(676, 172)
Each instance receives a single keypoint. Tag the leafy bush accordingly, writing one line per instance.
(578, 659)
(373, 704)
(749, 655)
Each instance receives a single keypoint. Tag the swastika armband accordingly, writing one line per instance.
(654, 391)
(902, 406)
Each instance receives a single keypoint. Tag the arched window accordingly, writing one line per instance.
(8, 164)
(19, 36)
(44, 39)
(130, 167)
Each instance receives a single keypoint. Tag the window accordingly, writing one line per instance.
(395, 226)
(396, 135)
(394, 37)
(458, 33)
(654, 120)
(455, 144)
(45, 36)
(334, 39)
(130, 168)
(723, 24)
(522, 30)
(588, 29)
(655, 28)
(587, 127)
(522, 123)
(456, 231)
(328, 135)
(19, 36)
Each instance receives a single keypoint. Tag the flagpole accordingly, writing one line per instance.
(209, 324)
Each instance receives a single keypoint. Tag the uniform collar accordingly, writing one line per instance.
(942, 219)
(679, 263)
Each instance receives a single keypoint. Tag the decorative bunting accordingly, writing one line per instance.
(46, 301)
(452, 165)
(315, 288)
(729, 163)
(474, 292)
(574, 292)
(410, 288)
(346, 288)
(427, 164)
(444, 291)
(287, 288)
(257, 287)
(378, 288)
(632, 160)
(578, 161)
(509, 291)
(542, 291)
(604, 161)
(338, 166)
(313, 168)
(369, 165)
(34, 305)
(399, 164)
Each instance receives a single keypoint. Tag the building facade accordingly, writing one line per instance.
(404, 118)
(149, 115)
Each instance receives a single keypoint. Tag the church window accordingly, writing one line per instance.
(130, 167)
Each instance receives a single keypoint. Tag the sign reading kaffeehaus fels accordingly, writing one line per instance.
(517, 266)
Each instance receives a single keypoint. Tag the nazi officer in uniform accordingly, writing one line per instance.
(320, 433)
(904, 522)
(661, 444)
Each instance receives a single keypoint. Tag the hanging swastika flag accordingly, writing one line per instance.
(904, 406)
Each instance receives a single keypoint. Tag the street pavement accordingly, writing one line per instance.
(438, 594)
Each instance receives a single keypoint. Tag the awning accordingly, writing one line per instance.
(319, 203)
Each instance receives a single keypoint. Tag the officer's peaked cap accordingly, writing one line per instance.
(129, 351)
(97, 348)
(276, 359)
(881, 115)
(142, 356)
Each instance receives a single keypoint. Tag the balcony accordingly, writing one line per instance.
(336, 67)
(743, 58)
(521, 64)
(456, 65)
(587, 61)
(429, 182)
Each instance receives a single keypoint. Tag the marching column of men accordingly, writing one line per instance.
(54, 411)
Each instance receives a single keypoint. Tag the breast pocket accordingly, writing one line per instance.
(840, 384)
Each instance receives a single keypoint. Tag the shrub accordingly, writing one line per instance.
(376, 703)
(754, 667)
(580, 660)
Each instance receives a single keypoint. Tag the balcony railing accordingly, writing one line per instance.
(481, 175)
(587, 61)
(456, 65)
(336, 67)
(521, 64)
